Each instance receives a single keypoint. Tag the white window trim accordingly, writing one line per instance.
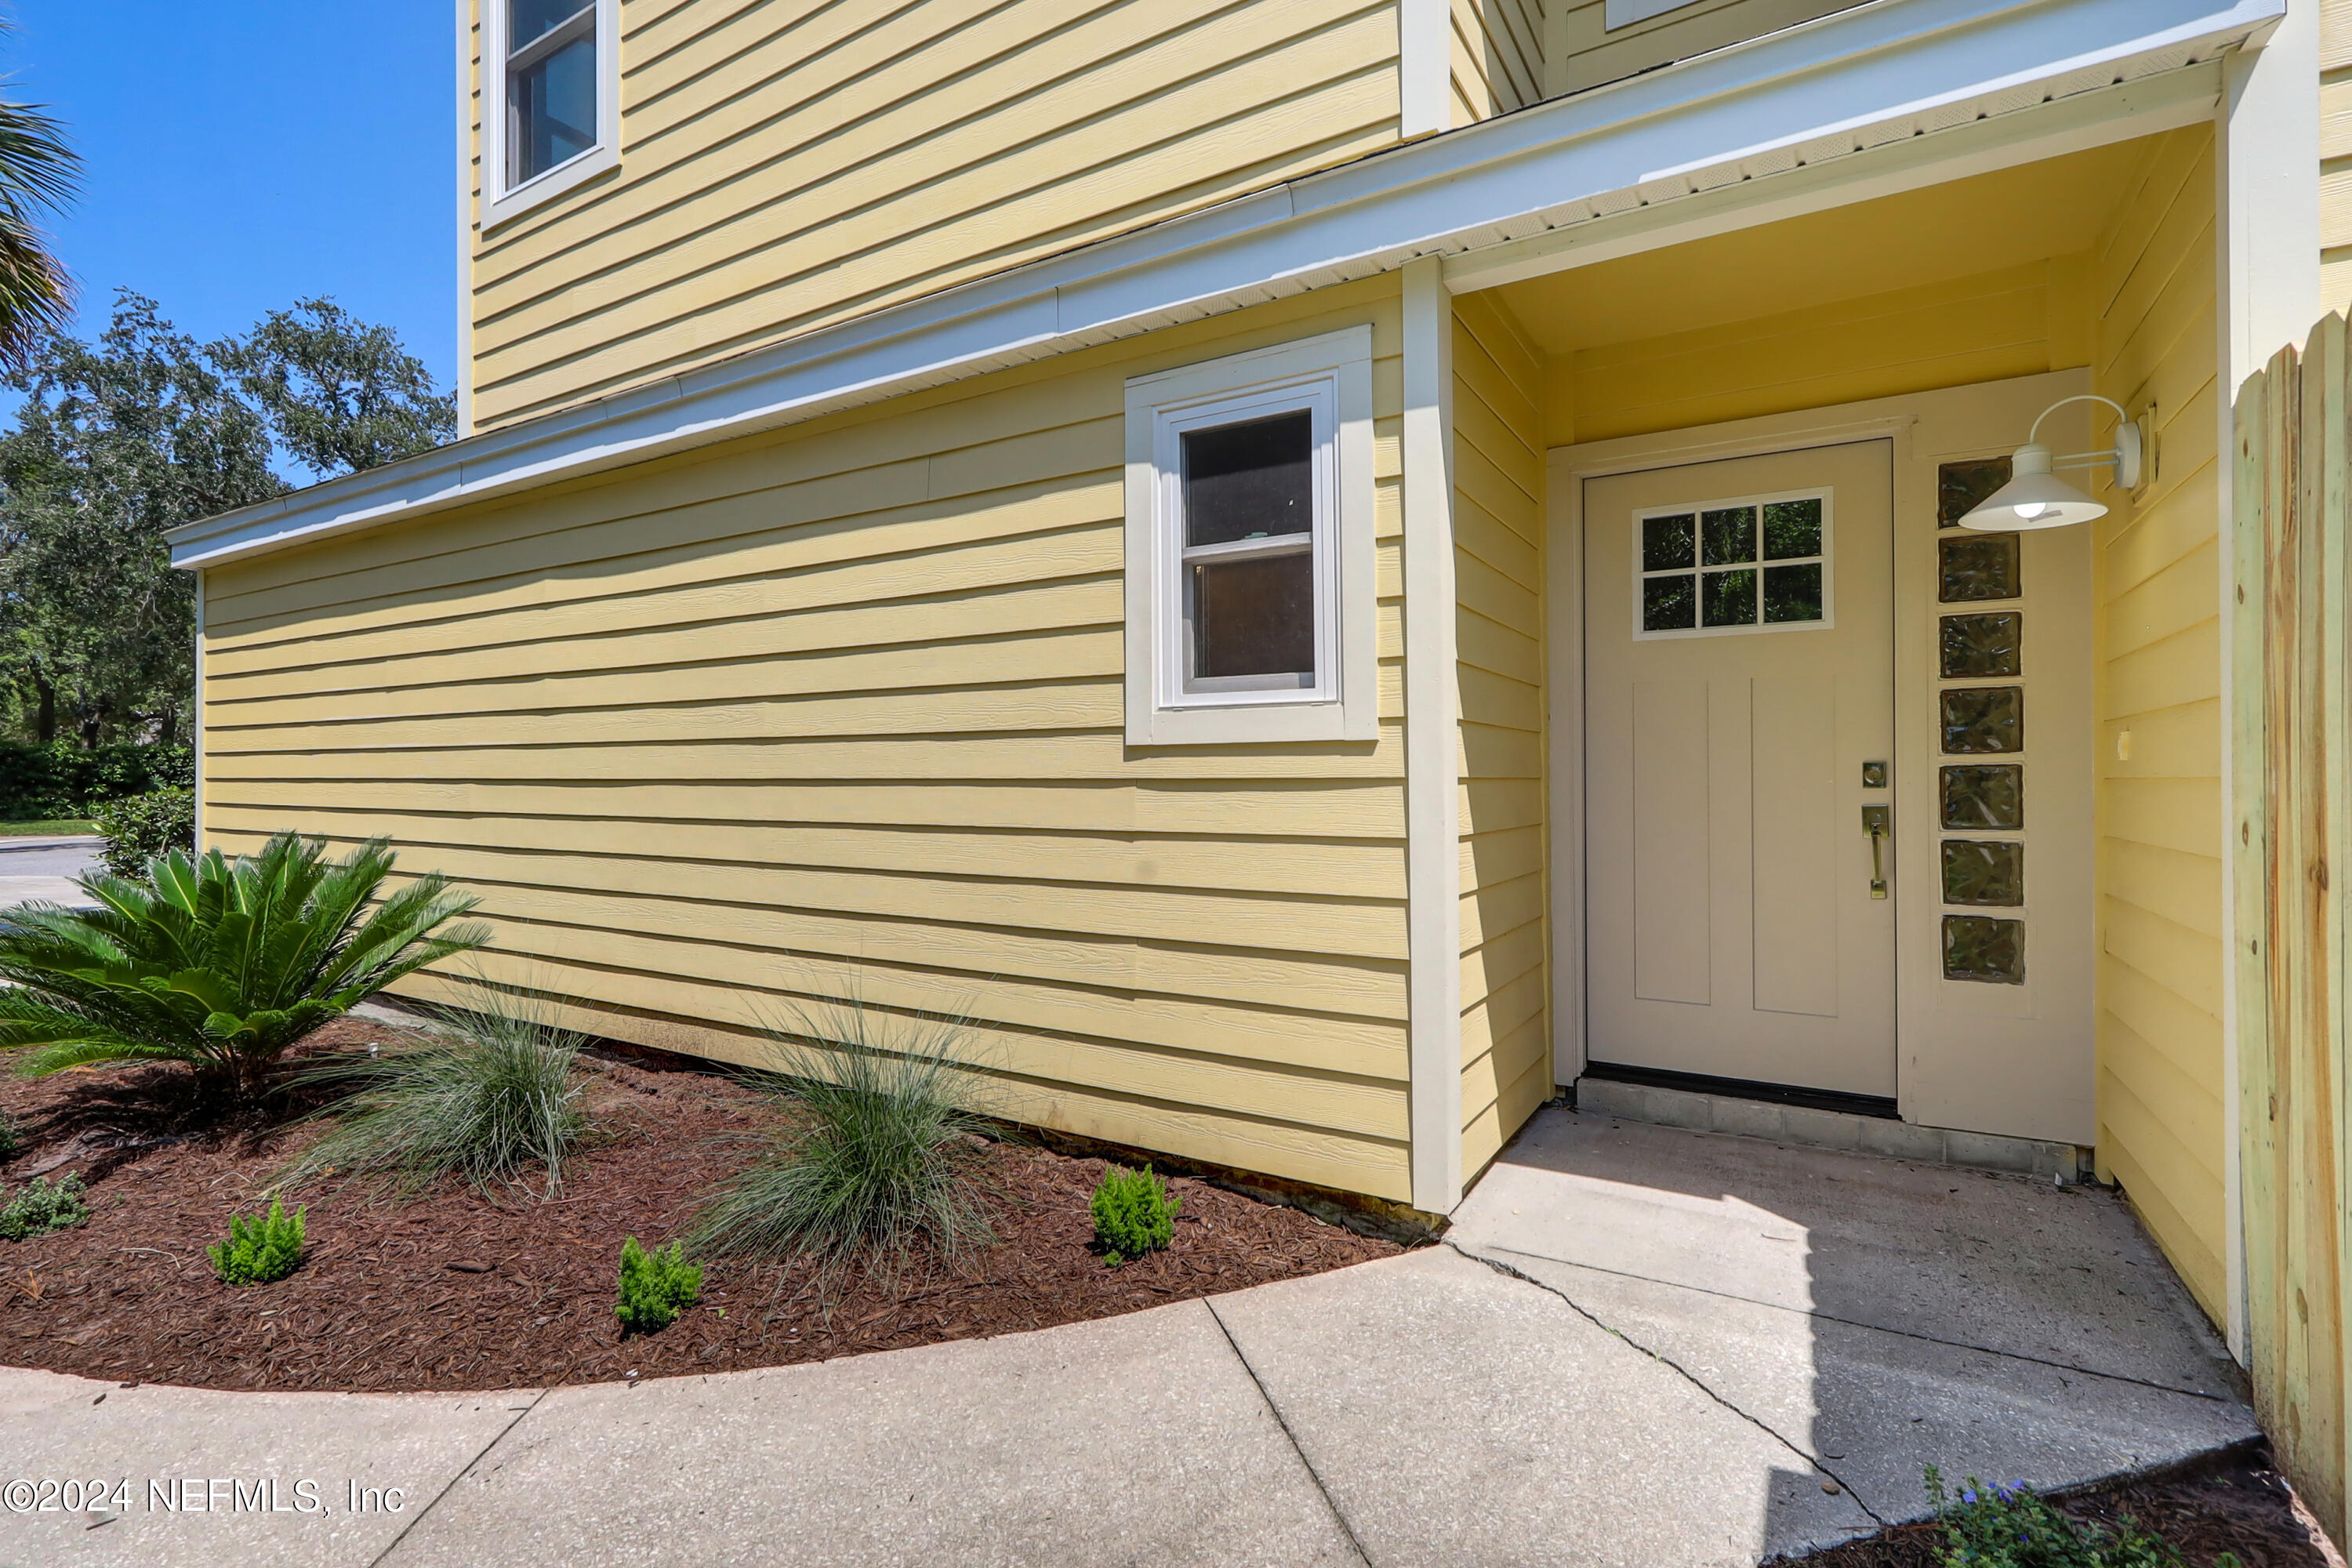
(1331, 376)
(1826, 495)
(500, 203)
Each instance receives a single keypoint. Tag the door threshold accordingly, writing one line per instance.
(1702, 1104)
(1880, 1106)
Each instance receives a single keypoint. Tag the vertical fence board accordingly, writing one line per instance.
(2248, 761)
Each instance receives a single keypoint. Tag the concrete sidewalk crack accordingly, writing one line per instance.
(463, 1471)
(1283, 1421)
(1812, 1460)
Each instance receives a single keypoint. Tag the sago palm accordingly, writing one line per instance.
(220, 964)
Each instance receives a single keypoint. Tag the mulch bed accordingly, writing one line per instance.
(461, 1290)
(2244, 1506)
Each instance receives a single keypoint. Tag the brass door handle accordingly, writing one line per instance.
(1874, 823)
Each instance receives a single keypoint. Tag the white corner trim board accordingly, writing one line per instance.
(1432, 774)
(1424, 67)
(1843, 88)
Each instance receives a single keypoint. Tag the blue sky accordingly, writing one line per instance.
(245, 154)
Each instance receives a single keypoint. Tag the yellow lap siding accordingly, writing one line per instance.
(2159, 811)
(1495, 50)
(718, 736)
(784, 167)
(1498, 576)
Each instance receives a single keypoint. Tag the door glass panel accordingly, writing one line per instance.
(1979, 719)
(1730, 597)
(1982, 646)
(1730, 536)
(1792, 593)
(1992, 795)
(1792, 528)
(1669, 604)
(1668, 542)
(1983, 871)
(1980, 948)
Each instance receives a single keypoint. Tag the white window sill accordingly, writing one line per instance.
(537, 193)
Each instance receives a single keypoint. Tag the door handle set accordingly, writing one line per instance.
(1876, 823)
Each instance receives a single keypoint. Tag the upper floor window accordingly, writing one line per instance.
(551, 98)
(1249, 554)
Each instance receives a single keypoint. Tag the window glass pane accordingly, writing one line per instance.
(1977, 648)
(1669, 604)
(1730, 536)
(1990, 795)
(1730, 598)
(1254, 617)
(527, 19)
(1791, 529)
(1984, 718)
(1983, 871)
(1977, 566)
(1977, 947)
(1254, 480)
(554, 108)
(1667, 543)
(1792, 593)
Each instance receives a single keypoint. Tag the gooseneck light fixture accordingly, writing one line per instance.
(2035, 496)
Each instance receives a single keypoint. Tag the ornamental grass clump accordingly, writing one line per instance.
(215, 963)
(655, 1287)
(884, 1161)
(260, 1248)
(39, 1208)
(1134, 1213)
(488, 1093)
(2013, 1526)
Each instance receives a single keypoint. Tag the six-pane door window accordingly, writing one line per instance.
(1761, 564)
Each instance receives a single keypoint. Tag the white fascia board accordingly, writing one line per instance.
(1880, 74)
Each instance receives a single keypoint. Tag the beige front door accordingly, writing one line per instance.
(1740, 721)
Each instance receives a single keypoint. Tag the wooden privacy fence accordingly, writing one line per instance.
(2290, 762)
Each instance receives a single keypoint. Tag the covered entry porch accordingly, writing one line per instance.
(1852, 816)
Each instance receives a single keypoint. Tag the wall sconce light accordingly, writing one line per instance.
(2035, 496)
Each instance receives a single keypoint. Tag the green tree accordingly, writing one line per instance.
(117, 442)
(38, 173)
(340, 395)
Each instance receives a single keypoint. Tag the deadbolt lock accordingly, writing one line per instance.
(1873, 775)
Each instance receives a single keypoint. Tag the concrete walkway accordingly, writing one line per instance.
(1640, 1347)
(43, 869)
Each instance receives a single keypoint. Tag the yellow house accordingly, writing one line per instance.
(1327, 570)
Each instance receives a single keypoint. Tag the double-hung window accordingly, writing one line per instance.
(1249, 547)
(550, 99)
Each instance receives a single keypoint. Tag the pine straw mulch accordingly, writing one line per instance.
(2243, 1506)
(461, 1290)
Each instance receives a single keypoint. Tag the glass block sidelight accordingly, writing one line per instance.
(1972, 567)
(1983, 871)
(1989, 795)
(1961, 487)
(1982, 949)
(1981, 719)
(1980, 647)
(1669, 543)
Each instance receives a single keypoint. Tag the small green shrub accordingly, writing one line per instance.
(489, 1092)
(1133, 1213)
(260, 1249)
(2015, 1527)
(143, 828)
(7, 1138)
(38, 1208)
(655, 1287)
(886, 1159)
